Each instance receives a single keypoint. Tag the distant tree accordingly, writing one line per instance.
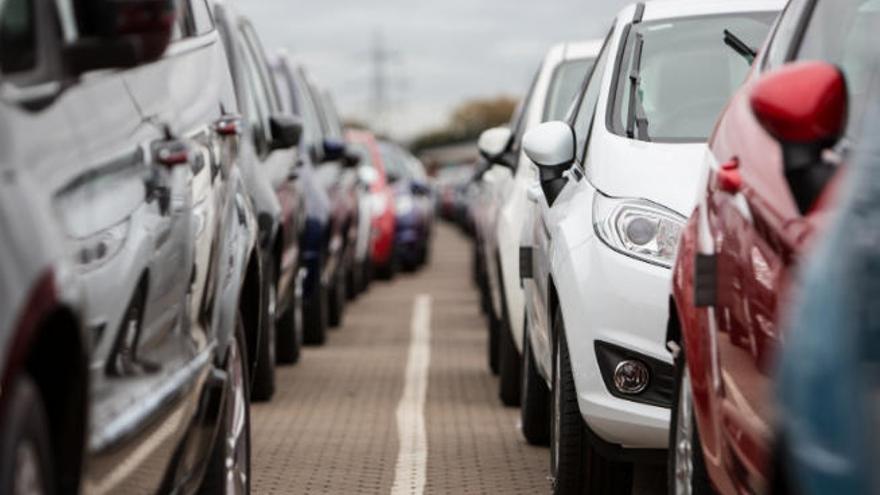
(467, 121)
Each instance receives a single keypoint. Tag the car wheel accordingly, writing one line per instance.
(229, 468)
(576, 466)
(290, 328)
(687, 468)
(494, 332)
(534, 397)
(352, 281)
(316, 316)
(264, 370)
(337, 299)
(509, 368)
(26, 455)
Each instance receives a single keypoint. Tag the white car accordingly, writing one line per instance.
(557, 81)
(618, 179)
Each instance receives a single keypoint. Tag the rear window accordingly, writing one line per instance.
(567, 79)
(675, 76)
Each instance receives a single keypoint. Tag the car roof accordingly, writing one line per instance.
(658, 10)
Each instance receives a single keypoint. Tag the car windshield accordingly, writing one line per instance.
(566, 81)
(677, 75)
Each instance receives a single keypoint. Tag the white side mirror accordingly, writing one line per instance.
(494, 142)
(550, 144)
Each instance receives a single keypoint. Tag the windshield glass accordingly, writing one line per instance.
(677, 75)
(566, 82)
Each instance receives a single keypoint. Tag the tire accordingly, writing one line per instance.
(352, 281)
(686, 467)
(264, 369)
(336, 309)
(509, 368)
(315, 316)
(289, 338)
(25, 446)
(576, 466)
(229, 468)
(494, 332)
(534, 398)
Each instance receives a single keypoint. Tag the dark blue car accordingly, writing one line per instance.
(414, 205)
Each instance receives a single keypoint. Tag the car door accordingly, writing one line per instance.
(759, 233)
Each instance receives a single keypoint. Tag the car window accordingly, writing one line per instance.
(203, 22)
(18, 36)
(676, 75)
(845, 33)
(585, 108)
(258, 117)
(786, 29)
(564, 85)
(307, 111)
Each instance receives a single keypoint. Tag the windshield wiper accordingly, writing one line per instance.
(740, 46)
(636, 120)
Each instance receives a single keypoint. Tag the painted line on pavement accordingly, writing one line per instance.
(412, 456)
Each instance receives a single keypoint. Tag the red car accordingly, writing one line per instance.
(775, 149)
(381, 199)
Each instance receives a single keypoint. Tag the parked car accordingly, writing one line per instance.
(549, 98)
(128, 260)
(757, 212)
(338, 174)
(413, 205)
(826, 379)
(321, 237)
(616, 179)
(382, 217)
(267, 161)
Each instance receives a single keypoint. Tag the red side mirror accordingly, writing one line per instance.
(802, 103)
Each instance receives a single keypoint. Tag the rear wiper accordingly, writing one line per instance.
(740, 46)
(636, 120)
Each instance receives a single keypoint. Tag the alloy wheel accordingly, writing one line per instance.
(684, 438)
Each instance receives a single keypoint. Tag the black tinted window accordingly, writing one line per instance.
(18, 36)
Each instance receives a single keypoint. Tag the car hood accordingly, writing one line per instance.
(665, 173)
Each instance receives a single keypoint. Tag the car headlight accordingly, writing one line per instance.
(638, 228)
(378, 203)
(404, 205)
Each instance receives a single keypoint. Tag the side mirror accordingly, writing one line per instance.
(493, 143)
(286, 131)
(334, 149)
(551, 146)
(420, 188)
(351, 159)
(804, 107)
(120, 33)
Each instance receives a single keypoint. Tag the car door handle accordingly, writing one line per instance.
(728, 178)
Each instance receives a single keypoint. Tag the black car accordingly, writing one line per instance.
(129, 242)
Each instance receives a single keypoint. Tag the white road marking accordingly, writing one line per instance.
(409, 473)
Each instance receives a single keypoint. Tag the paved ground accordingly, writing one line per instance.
(332, 426)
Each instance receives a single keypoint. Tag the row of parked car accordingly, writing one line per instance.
(180, 212)
(639, 228)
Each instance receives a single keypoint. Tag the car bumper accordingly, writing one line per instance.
(621, 302)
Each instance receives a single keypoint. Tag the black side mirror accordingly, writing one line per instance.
(420, 188)
(334, 149)
(351, 159)
(286, 131)
(120, 33)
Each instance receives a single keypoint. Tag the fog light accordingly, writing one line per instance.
(631, 377)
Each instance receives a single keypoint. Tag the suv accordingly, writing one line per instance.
(616, 181)
(130, 247)
(773, 153)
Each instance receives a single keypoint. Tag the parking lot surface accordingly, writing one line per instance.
(332, 426)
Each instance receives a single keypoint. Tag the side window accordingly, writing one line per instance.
(786, 28)
(203, 22)
(259, 102)
(311, 121)
(521, 116)
(18, 36)
(582, 120)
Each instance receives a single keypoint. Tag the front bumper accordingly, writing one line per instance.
(609, 299)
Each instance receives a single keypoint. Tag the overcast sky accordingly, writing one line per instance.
(440, 52)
